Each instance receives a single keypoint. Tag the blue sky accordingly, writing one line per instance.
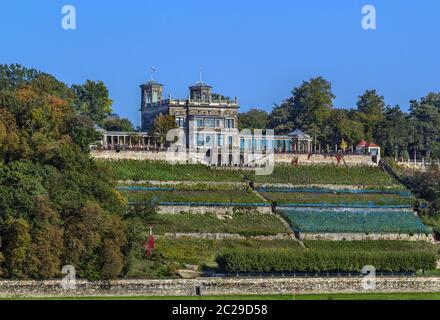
(255, 50)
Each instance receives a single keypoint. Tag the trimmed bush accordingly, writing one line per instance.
(284, 260)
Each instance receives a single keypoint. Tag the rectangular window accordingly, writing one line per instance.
(209, 140)
(209, 122)
(242, 144)
(199, 122)
(180, 122)
(220, 142)
(219, 123)
(229, 140)
(229, 123)
(199, 140)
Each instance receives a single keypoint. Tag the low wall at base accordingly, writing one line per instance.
(217, 286)
(367, 236)
(351, 160)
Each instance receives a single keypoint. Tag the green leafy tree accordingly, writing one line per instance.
(394, 132)
(426, 124)
(161, 126)
(308, 108)
(280, 120)
(253, 119)
(44, 257)
(92, 100)
(371, 109)
(54, 198)
(115, 123)
(343, 127)
(15, 242)
(82, 131)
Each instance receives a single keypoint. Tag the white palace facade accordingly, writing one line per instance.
(207, 125)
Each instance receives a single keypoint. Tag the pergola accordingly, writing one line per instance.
(301, 142)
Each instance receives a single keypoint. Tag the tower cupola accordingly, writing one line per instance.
(151, 92)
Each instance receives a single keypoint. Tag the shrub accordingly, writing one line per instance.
(284, 260)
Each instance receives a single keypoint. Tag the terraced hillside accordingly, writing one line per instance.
(235, 230)
(355, 221)
(362, 177)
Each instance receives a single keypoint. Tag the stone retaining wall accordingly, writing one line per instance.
(217, 286)
(351, 160)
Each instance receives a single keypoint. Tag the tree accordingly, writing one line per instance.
(44, 257)
(161, 126)
(115, 123)
(82, 131)
(82, 240)
(53, 196)
(344, 128)
(15, 239)
(426, 121)
(253, 119)
(112, 260)
(92, 100)
(371, 108)
(10, 146)
(394, 132)
(279, 119)
(308, 108)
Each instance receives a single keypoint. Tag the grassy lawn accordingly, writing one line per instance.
(247, 224)
(336, 296)
(305, 197)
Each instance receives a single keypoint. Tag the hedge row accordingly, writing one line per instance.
(284, 260)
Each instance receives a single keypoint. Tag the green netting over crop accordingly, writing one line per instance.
(356, 221)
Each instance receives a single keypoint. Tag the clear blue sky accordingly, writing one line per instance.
(255, 50)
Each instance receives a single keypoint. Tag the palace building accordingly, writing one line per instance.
(209, 123)
(213, 119)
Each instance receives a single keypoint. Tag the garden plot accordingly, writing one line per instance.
(348, 199)
(164, 195)
(246, 224)
(355, 221)
(361, 176)
(163, 171)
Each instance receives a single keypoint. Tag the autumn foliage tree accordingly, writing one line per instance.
(161, 126)
(57, 207)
